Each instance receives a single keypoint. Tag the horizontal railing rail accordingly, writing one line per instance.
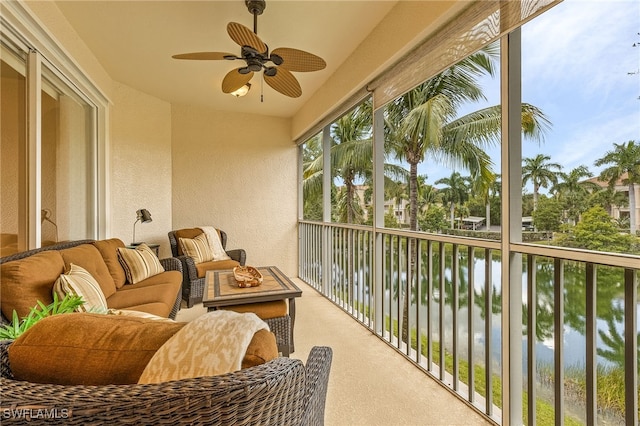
(437, 300)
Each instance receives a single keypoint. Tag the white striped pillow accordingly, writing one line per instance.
(139, 263)
(197, 248)
(79, 282)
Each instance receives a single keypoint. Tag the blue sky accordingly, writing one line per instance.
(576, 60)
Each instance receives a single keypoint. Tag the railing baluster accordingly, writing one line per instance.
(418, 292)
(455, 286)
(590, 343)
(488, 324)
(429, 299)
(470, 322)
(531, 338)
(558, 325)
(442, 298)
(631, 346)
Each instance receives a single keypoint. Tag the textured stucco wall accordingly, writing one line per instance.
(140, 166)
(237, 172)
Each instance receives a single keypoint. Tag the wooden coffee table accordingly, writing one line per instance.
(222, 290)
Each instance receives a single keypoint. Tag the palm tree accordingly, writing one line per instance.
(455, 193)
(573, 190)
(424, 122)
(351, 160)
(541, 173)
(624, 166)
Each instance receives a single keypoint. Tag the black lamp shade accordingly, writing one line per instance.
(144, 216)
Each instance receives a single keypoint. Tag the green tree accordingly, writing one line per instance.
(312, 178)
(623, 165)
(607, 198)
(424, 122)
(573, 191)
(598, 231)
(541, 173)
(433, 219)
(548, 216)
(455, 193)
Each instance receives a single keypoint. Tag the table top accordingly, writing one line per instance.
(222, 289)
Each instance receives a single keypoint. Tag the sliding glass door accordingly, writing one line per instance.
(48, 154)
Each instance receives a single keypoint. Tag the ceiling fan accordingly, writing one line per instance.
(276, 65)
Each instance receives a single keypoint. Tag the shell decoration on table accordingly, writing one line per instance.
(247, 276)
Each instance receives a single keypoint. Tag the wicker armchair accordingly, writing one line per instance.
(192, 285)
(280, 392)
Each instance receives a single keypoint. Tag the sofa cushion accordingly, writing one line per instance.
(139, 263)
(197, 248)
(264, 310)
(26, 281)
(109, 252)
(215, 265)
(212, 344)
(89, 258)
(79, 282)
(88, 349)
(155, 295)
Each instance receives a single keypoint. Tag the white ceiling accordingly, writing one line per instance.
(134, 42)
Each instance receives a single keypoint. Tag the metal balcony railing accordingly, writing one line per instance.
(437, 300)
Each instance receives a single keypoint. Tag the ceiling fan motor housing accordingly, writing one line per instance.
(256, 7)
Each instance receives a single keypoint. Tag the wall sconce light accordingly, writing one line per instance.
(143, 216)
(243, 90)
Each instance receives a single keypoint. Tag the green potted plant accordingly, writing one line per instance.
(16, 327)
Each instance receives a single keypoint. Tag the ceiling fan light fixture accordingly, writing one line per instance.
(243, 90)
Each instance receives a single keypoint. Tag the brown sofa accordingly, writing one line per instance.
(28, 277)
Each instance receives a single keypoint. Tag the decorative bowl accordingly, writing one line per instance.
(247, 276)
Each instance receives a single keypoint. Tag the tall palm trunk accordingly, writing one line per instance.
(412, 275)
(487, 214)
(350, 194)
(413, 196)
(536, 189)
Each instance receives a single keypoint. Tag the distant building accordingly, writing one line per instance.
(622, 212)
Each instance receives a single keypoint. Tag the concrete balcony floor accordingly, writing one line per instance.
(370, 383)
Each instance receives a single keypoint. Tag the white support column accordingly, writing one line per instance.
(33, 159)
(378, 213)
(511, 223)
(326, 208)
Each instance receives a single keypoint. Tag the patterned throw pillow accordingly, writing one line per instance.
(197, 248)
(79, 282)
(139, 263)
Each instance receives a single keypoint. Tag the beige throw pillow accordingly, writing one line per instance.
(139, 263)
(79, 282)
(197, 248)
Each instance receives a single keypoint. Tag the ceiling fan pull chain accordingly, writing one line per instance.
(261, 87)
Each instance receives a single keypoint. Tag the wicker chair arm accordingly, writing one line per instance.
(188, 268)
(171, 264)
(267, 394)
(238, 255)
(317, 372)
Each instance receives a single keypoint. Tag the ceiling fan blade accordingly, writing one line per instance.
(245, 37)
(204, 56)
(234, 80)
(284, 82)
(299, 60)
